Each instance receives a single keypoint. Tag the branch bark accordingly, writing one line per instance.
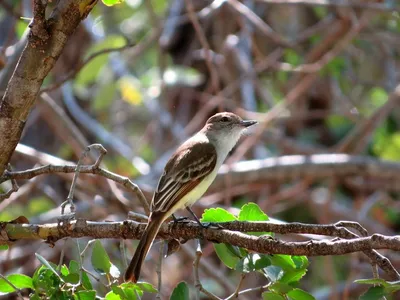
(46, 41)
(234, 233)
(288, 167)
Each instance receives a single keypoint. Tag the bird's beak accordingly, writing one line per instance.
(248, 123)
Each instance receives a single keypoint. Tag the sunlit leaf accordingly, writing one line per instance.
(20, 281)
(64, 270)
(217, 215)
(112, 2)
(252, 212)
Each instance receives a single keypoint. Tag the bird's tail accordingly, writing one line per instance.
(133, 271)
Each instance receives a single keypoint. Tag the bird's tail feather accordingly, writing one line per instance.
(133, 271)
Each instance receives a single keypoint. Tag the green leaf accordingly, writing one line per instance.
(130, 290)
(112, 296)
(117, 290)
(147, 287)
(85, 295)
(217, 215)
(262, 261)
(373, 293)
(64, 270)
(389, 286)
(72, 278)
(86, 281)
(74, 267)
(272, 296)
(100, 259)
(3, 247)
(20, 281)
(300, 262)
(252, 262)
(252, 212)
(387, 146)
(180, 292)
(132, 293)
(245, 265)
(289, 266)
(46, 280)
(112, 2)
(299, 294)
(48, 265)
(374, 281)
(226, 255)
(280, 288)
(378, 96)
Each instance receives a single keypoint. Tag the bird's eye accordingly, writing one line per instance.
(224, 119)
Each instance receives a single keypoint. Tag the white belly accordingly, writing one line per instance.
(196, 193)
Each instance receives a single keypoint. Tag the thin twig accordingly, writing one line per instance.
(239, 285)
(93, 169)
(159, 270)
(197, 282)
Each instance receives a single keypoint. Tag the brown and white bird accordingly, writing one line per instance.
(187, 175)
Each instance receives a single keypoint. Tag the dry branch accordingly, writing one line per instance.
(45, 43)
(51, 233)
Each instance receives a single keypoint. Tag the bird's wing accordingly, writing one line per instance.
(184, 171)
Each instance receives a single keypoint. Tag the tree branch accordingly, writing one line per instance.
(37, 59)
(233, 233)
(281, 168)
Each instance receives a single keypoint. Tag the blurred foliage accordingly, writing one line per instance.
(146, 100)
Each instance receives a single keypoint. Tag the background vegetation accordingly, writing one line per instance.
(140, 77)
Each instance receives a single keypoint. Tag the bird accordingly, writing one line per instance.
(187, 175)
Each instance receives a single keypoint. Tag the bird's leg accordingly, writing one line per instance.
(179, 219)
(204, 225)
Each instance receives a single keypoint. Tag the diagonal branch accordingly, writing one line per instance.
(37, 59)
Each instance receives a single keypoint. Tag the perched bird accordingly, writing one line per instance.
(187, 175)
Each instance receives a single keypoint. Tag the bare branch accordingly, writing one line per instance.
(232, 235)
(381, 7)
